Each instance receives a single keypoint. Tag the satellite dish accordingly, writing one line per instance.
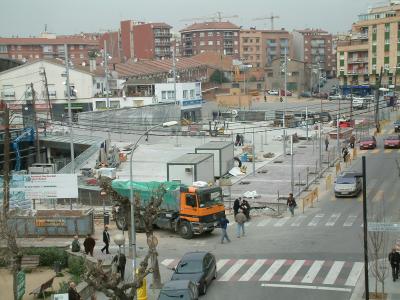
(234, 112)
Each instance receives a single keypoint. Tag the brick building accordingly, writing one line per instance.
(315, 46)
(221, 37)
(48, 46)
(145, 40)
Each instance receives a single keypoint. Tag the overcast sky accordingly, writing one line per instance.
(27, 17)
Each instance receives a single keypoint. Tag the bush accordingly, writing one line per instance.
(76, 265)
(48, 256)
(62, 287)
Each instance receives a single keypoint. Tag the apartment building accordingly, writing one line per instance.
(48, 46)
(141, 40)
(221, 37)
(316, 47)
(374, 43)
(260, 47)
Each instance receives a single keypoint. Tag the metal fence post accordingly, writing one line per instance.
(307, 171)
(278, 204)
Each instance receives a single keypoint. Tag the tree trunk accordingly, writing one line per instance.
(156, 269)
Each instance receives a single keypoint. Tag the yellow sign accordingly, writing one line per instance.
(49, 223)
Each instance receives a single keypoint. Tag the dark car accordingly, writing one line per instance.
(348, 184)
(396, 126)
(305, 94)
(199, 267)
(392, 141)
(179, 289)
(368, 142)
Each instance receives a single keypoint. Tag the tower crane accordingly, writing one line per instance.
(272, 18)
(218, 16)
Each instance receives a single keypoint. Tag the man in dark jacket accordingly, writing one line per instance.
(236, 206)
(106, 240)
(89, 244)
(223, 223)
(291, 203)
(120, 260)
(72, 292)
(394, 259)
(245, 206)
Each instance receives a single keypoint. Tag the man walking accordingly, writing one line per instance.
(240, 219)
(394, 259)
(106, 240)
(72, 292)
(326, 143)
(89, 244)
(120, 261)
(291, 203)
(223, 222)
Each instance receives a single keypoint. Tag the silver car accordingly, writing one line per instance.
(348, 184)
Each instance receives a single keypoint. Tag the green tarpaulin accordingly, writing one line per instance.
(146, 189)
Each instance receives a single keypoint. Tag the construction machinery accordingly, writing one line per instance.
(28, 134)
(271, 18)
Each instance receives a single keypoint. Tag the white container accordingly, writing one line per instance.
(223, 156)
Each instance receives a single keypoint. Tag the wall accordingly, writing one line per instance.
(143, 41)
(126, 43)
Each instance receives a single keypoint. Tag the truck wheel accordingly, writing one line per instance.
(185, 230)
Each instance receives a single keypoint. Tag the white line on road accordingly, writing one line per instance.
(316, 219)
(350, 221)
(354, 274)
(298, 220)
(263, 222)
(272, 270)
(333, 272)
(281, 222)
(236, 266)
(221, 263)
(313, 271)
(294, 268)
(252, 270)
(309, 287)
(332, 219)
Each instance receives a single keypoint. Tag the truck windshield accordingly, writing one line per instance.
(210, 199)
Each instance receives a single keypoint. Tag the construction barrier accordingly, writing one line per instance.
(328, 182)
(354, 153)
(310, 198)
(315, 193)
(338, 169)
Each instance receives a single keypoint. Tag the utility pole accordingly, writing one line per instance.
(174, 71)
(6, 163)
(108, 99)
(319, 78)
(337, 134)
(365, 227)
(292, 164)
(378, 128)
(69, 112)
(284, 102)
(47, 94)
(307, 122)
(37, 142)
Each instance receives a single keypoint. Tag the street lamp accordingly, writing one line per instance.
(119, 239)
(132, 246)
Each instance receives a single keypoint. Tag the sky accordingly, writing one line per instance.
(28, 17)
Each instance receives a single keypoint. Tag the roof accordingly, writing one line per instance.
(308, 30)
(211, 26)
(161, 24)
(215, 145)
(198, 255)
(216, 60)
(190, 158)
(176, 284)
(47, 41)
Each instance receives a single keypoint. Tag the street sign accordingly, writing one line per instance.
(374, 226)
(20, 284)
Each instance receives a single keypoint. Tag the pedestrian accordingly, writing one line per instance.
(240, 219)
(345, 152)
(120, 261)
(291, 203)
(223, 223)
(89, 244)
(72, 292)
(245, 206)
(394, 259)
(236, 206)
(237, 140)
(352, 141)
(106, 240)
(75, 246)
(326, 143)
(241, 140)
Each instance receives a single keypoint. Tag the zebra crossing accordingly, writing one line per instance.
(309, 221)
(301, 271)
(378, 151)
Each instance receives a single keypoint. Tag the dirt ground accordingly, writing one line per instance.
(33, 280)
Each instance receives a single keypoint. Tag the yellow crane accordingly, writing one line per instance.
(271, 18)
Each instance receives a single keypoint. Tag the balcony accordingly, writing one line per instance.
(358, 72)
(162, 34)
(358, 60)
(162, 43)
(8, 95)
(187, 39)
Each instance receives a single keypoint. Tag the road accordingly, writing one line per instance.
(315, 255)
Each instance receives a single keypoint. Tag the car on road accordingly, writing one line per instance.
(335, 97)
(288, 93)
(396, 125)
(305, 94)
(392, 141)
(368, 142)
(359, 103)
(273, 92)
(348, 184)
(179, 289)
(199, 267)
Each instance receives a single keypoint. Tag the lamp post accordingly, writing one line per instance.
(132, 245)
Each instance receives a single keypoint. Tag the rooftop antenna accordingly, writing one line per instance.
(45, 27)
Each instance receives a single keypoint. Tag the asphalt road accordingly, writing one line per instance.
(315, 255)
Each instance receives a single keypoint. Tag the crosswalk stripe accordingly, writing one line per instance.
(252, 270)
(313, 271)
(333, 272)
(298, 221)
(386, 151)
(350, 220)
(236, 266)
(221, 263)
(272, 270)
(332, 220)
(354, 274)
(375, 151)
(263, 222)
(316, 219)
(166, 262)
(281, 222)
(294, 268)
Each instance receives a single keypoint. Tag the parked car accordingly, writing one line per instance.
(273, 92)
(348, 97)
(179, 289)
(199, 267)
(288, 93)
(392, 141)
(335, 97)
(322, 95)
(348, 184)
(359, 103)
(368, 142)
(305, 94)
(396, 126)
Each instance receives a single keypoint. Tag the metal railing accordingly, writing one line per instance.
(80, 160)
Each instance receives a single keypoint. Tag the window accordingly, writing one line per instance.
(72, 47)
(18, 47)
(235, 42)
(170, 95)
(163, 95)
(72, 56)
(235, 33)
(101, 104)
(257, 48)
(257, 40)
(218, 43)
(8, 91)
(37, 56)
(185, 94)
(114, 104)
(201, 34)
(245, 40)
(191, 94)
(12, 47)
(202, 43)
(386, 60)
(218, 33)
(210, 43)
(81, 55)
(210, 33)
(81, 47)
(3, 49)
(387, 27)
